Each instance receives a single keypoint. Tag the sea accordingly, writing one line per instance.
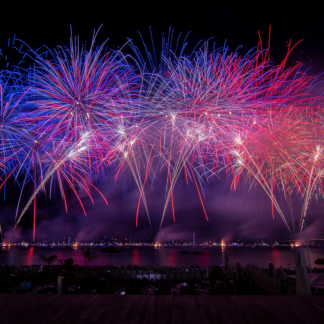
(164, 256)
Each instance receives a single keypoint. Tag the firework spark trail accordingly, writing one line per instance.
(213, 114)
(140, 186)
(81, 91)
(148, 167)
(12, 125)
(71, 154)
(190, 89)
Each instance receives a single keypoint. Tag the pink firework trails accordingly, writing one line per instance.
(221, 111)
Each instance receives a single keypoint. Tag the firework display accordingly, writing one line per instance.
(79, 118)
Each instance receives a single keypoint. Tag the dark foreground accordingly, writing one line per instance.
(160, 309)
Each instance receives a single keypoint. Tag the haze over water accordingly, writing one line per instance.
(164, 256)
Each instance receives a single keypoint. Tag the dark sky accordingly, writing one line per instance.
(239, 215)
(238, 22)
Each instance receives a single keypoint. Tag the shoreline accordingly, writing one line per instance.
(123, 247)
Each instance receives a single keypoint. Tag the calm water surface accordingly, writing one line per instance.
(150, 256)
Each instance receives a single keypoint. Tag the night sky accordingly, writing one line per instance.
(242, 215)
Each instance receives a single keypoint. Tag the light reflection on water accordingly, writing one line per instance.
(223, 255)
(150, 256)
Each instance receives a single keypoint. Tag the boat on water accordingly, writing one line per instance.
(190, 252)
(319, 261)
(111, 249)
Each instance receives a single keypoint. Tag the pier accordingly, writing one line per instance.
(160, 309)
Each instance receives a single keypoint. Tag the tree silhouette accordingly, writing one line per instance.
(88, 255)
(68, 263)
(49, 259)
